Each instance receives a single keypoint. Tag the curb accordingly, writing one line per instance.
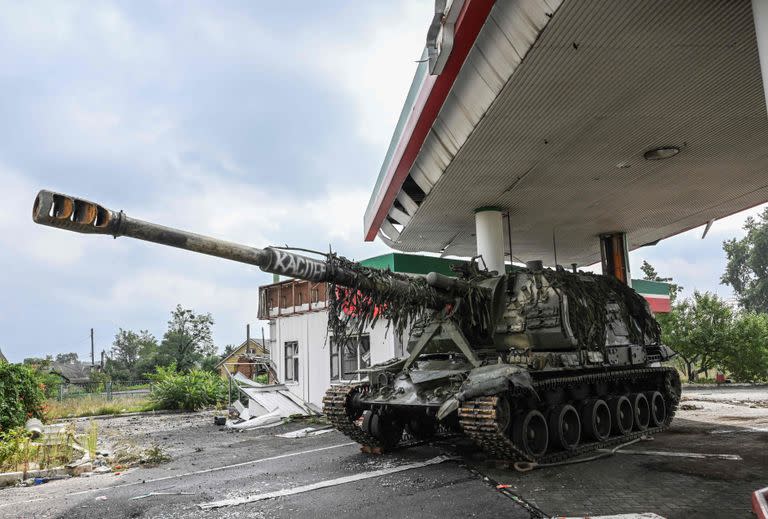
(12, 478)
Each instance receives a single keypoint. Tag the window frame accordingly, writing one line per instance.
(291, 361)
(337, 359)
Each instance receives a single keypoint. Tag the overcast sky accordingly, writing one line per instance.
(263, 123)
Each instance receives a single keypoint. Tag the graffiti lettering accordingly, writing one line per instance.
(296, 266)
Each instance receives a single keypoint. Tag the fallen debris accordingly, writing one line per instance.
(321, 484)
(267, 404)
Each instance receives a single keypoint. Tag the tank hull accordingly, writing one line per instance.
(523, 424)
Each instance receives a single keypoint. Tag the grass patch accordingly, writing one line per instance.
(96, 406)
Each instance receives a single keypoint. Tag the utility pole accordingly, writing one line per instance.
(247, 338)
(102, 360)
(93, 360)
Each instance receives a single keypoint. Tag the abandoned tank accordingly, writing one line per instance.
(532, 364)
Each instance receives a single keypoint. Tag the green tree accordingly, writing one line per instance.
(747, 268)
(21, 396)
(698, 329)
(188, 340)
(210, 362)
(650, 274)
(38, 362)
(746, 352)
(228, 349)
(132, 354)
(66, 358)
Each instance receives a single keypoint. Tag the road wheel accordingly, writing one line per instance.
(384, 427)
(564, 427)
(530, 433)
(641, 411)
(621, 415)
(596, 419)
(421, 428)
(658, 414)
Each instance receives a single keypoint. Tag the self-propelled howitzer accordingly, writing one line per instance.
(533, 364)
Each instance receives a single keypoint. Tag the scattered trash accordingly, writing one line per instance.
(151, 494)
(102, 470)
(100, 498)
(322, 484)
(307, 431)
(220, 420)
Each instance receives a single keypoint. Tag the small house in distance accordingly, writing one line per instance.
(2, 357)
(250, 359)
(72, 372)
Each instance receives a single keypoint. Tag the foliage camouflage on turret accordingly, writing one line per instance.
(352, 309)
(587, 303)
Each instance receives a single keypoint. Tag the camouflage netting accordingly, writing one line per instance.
(352, 309)
(587, 301)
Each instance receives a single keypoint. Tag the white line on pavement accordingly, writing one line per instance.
(697, 455)
(321, 484)
(187, 474)
(741, 429)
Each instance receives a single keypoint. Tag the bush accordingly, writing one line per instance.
(21, 396)
(189, 391)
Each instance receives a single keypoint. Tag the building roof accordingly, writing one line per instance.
(2, 357)
(550, 115)
(254, 344)
(74, 372)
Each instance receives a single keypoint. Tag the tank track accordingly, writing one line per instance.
(336, 408)
(478, 417)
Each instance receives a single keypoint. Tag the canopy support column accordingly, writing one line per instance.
(489, 233)
(615, 256)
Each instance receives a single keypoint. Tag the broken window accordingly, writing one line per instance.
(292, 361)
(334, 360)
(349, 357)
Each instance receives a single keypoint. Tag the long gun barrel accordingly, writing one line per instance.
(78, 215)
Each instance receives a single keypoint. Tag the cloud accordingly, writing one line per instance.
(18, 237)
(374, 64)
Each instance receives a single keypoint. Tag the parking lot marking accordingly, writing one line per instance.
(745, 429)
(321, 484)
(697, 455)
(195, 473)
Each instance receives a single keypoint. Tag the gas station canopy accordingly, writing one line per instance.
(575, 118)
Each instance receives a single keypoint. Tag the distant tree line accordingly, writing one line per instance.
(709, 334)
(187, 344)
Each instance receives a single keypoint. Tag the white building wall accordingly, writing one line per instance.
(310, 330)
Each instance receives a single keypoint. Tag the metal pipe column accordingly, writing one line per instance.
(489, 233)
